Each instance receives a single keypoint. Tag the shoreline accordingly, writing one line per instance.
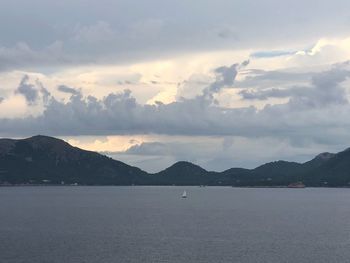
(78, 185)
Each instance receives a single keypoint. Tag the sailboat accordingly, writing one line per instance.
(184, 195)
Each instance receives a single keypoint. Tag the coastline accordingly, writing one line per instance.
(82, 185)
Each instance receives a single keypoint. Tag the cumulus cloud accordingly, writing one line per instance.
(32, 92)
(29, 91)
(200, 85)
(316, 112)
(224, 77)
(325, 89)
(193, 86)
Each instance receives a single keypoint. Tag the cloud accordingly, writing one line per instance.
(68, 90)
(94, 34)
(226, 33)
(224, 76)
(266, 94)
(149, 148)
(193, 86)
(29, 91)
(271, 54)
(200, 85)
(1, 99)
(318, 112)
(268, 78)
(117, 35)
(146, 28)
(324, 90)
(32, 92)
(22, 56)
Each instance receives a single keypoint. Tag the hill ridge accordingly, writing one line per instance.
(43, 159)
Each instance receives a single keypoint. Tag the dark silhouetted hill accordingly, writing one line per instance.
(47, 160)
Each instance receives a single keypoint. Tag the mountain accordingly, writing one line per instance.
(46, 160)
(334, 171)
(319, 160)
(326, 169)
(183, 173)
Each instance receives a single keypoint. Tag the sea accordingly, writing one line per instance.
(73, 224)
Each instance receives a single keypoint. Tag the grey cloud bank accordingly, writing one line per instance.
(318, 112)
(324, 90)
(35, 35)
(33, 93)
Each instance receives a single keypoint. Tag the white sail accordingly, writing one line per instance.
(184, 195)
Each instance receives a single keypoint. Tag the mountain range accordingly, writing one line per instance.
(47, 160)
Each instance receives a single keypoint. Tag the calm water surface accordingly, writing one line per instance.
(154, 224)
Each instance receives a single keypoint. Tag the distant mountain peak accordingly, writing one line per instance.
(44, 139)
(180, 163)
(39, 136)
(325, 156)
(186, 165)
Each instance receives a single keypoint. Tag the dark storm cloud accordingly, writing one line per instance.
(66, 89)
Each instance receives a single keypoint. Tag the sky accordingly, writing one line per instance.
(222, 83)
